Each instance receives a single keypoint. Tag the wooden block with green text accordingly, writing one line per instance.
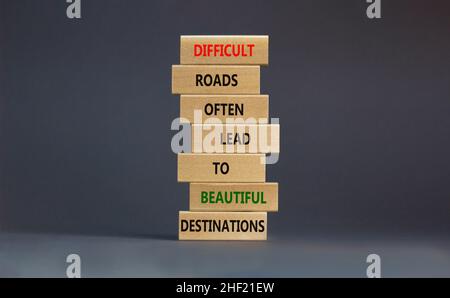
(233, 197)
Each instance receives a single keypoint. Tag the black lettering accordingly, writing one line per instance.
(208, 109)
(217, 81)
(226, 80)
(223, 80)
(198, 80)
(225, 227)
(215, 167)
(240, 109)
(216, 226)
(262, 226)
(191, 225)
(198, 225)
(244, 226)
(246, 138)
(253, 226)
(224, 167)
(234, 79)
(208, 80)
(184, 225)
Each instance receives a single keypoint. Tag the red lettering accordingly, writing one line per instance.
(220, 50)
(197, 50)
(210, 49)
(217, 50)
(226, 48)
(244, 54)
(251, 46)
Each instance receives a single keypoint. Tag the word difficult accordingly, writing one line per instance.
(238, 50)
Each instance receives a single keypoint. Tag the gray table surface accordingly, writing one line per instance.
(44, 255)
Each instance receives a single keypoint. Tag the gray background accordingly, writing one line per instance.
(86, 107)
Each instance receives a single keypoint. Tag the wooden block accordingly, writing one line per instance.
(239, 108)
(222, 225)
(235, 138)
(221, 167)
(215, 79)
(225, 49)
(233, 197)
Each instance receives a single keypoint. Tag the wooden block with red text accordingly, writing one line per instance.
(224, 49)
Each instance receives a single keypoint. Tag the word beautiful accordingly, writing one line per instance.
(227, 50)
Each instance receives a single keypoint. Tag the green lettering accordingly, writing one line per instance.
(237, 197)
(262, 198)
(247, 197)
(228, 197)
(219, 197)
(204, 197)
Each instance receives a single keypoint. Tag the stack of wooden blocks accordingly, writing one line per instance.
(219, 86)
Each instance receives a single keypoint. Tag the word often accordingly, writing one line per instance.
(224, 109)
(200, 109)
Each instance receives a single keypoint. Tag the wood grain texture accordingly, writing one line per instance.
(215, 79)
(233, 197)
(224, 49)
(235, 138)
(240, 167)
(237, 108)
(222, 225)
